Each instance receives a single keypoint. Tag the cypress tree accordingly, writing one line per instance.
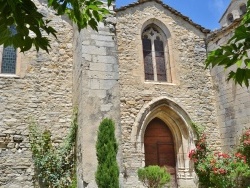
(107, 174)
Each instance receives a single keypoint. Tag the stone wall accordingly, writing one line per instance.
(234, 9)
(96, 93)
(233, 104)
(44, 94)
(104, 85)
(191, 88)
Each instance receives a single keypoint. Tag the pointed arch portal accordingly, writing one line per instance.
(163, 136)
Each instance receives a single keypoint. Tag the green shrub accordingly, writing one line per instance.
(153, 176)
(107, 174)
(55, 166)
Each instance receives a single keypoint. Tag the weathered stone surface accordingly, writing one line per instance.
(96, 93)
(232, 100)
(108, 81)
(44, 94)
(191, 85)
(17, 138)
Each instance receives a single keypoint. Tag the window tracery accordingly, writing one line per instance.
(154, 53)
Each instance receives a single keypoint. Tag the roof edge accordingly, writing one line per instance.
(213, 34)
(225, 11)
(172, 10)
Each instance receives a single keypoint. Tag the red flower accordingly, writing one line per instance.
(222, 171)
(191, 153)
(224, 155)
(238, 155)
(246, 142)
(247, 133)
(241, 156)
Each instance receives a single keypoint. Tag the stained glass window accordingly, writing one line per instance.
(160, 60)
(148, 63)
(154, 54)
(8, 65)
(9, 60)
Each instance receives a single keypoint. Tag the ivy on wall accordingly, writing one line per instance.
(55, 167)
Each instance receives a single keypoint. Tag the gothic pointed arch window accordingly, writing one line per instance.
(155, 54)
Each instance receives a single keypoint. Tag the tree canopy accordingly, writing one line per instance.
(25, 17)
(235, 53)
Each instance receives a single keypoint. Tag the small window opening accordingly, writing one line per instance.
(243, 9)
(230, 18)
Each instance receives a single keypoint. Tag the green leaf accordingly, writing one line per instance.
(93, 7)
(239, 62)
(235, 52)
(93, 24)
(25, 16)
(97, 16)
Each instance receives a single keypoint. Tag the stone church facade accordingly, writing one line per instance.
(145, 70)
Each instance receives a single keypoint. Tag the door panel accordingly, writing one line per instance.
(159, 147)
(159, 139)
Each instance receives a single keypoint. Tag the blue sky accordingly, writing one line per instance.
(204, 12)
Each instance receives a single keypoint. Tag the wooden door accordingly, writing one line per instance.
(159, 147)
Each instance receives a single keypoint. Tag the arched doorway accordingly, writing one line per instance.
(159, 147)
(178, 121)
